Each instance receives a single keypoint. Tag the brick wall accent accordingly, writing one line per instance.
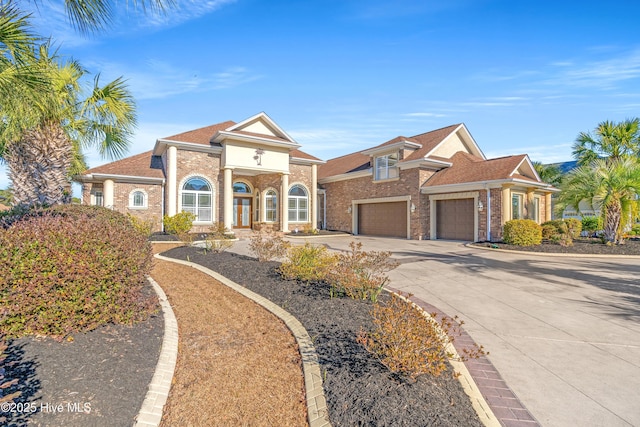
(496, 214)
(341, 193)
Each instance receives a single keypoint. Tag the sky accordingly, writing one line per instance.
(341, 76)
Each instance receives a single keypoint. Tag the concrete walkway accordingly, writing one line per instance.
(563, 332)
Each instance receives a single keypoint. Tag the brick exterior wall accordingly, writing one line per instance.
(340, 194)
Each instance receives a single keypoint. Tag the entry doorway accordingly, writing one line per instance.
(242, 212)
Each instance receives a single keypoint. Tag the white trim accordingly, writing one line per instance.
(433, 199)
(145, 199)
(247, 183)
(424, 162)
(266, 140)
(306, 189)
(263, 199)
(396, 146)
(303, 161)
(392, 199)
(469, 139)
(214, 204)
(346, 176)
(467, 186)
(100, 177)
(261, 115)
(162, 144)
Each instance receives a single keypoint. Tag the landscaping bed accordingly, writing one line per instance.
(359, 389)
(98, 378)
(582, 246)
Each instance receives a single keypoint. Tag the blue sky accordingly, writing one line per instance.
(343, 75)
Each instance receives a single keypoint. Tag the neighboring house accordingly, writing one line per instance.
(586, 209)
(437, 185)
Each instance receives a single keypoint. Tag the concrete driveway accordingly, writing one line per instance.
(564, 332)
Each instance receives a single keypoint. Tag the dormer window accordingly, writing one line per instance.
(386, 166)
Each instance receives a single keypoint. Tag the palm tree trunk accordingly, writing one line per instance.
(612, 215)
(39, 165)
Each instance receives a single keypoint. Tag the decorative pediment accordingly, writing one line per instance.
(259, 129)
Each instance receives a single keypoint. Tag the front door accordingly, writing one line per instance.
(242, 212)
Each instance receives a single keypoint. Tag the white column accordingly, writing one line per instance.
(314, 196)
(284, 197)
(506, 204)
(172, 184)
(227, 210)
(108, 193)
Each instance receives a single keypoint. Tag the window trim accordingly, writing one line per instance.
(386, 167)
(95, 197)
(275, 206)
(132, 196)
(521, 198)
(297, 208)
(211, 193)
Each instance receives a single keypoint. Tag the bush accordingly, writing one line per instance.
(635, 230)
(591, 224)
(408, 342)
(267, 246)
(71, 269)
(559, 226)
(144, 227)
(522, 232)
(574, 227)
(307, 263)
(219, 231)
(179, 225)
(359, 274)
(548, 231)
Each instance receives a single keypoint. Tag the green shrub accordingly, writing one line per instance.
(307, 263)
(574, 227)
(267, 246)
(635, 230)
(359, 274)
(559, 225)
(144, 227)
(219, 231)
(591, 224)
(548, 231)
(71, 269)
(408, 342)
(522, 232)
(179, 225)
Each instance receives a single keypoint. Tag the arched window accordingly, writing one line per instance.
(137, 199)
(197, 199)
(271, 206)
(298, 204)
(241, 187)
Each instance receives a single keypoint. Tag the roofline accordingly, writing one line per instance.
(402, 165)
(459, 127)
(346, 176)
(390, 147)
(253, 139)
(303, 161)
(475, 185)
(191, 146)
(269, 119)
(96, 177)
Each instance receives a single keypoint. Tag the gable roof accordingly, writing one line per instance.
(144, 165)
(467, 168)
(201, 135)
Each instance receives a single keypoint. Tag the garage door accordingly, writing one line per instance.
(383, 219)
(454, 219)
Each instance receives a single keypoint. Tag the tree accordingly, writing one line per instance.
(610, 140)
(41, 155)
(612, 186)
(550, 174)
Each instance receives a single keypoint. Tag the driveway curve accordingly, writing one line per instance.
(564, 332)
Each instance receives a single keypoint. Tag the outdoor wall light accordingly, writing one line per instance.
(349, 209)
(413, 208)
(480, 206)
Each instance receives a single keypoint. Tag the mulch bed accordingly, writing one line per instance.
(582, 246)
(100, 378)
(359, 389)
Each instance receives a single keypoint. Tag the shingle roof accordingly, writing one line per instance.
(201, 135)
(358, 161)
(469, 168)
(142, 165)
(302, 155)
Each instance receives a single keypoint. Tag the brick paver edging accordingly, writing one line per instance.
(317, 411)
(151, 411)
(490, 395)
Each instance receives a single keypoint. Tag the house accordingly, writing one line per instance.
(252, 175)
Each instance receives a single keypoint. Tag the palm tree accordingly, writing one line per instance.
(551, 174)
(611, 140)
(42, 157)
(612, 186)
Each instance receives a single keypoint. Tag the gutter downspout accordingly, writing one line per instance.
(488, 214)
(162, 207)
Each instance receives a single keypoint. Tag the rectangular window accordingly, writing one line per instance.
(189, 203)
(386, 166)
(99, 200)
(516, 206)
(271, 208)
(293, 213)
(204, 207)
(535, 209)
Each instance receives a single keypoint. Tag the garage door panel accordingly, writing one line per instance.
(383, 219)
(455, 219)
